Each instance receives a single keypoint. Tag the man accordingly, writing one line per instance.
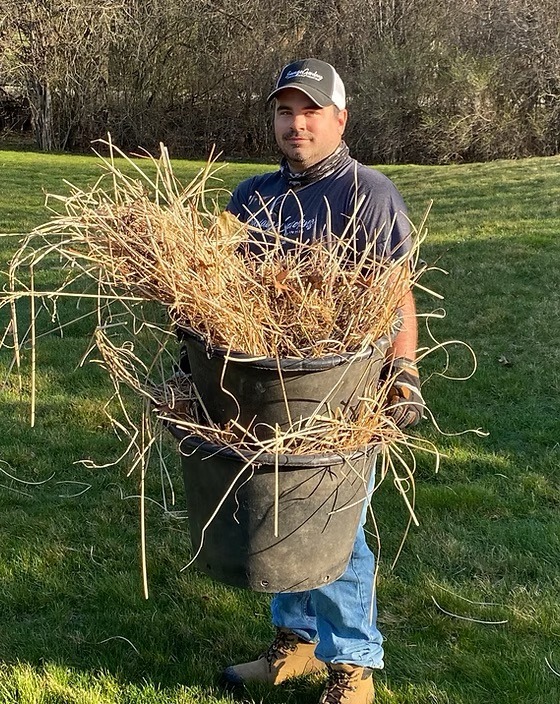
(319, 189)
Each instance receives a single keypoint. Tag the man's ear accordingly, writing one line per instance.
(342, 118)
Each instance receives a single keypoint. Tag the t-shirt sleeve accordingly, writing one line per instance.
(234, 203)
(382, 215)
(239, 199)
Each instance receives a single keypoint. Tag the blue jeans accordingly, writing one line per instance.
(338, 616)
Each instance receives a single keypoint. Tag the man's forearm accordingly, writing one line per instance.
(406, 341)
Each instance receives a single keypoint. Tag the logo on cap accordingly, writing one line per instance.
(304, 73)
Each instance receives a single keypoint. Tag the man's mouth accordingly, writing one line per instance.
(296, 136)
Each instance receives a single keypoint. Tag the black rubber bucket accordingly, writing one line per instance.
(243, 537)
(261, 394)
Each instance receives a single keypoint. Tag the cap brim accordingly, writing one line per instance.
(316, 96)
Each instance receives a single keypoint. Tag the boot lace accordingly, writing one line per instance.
(284, 642)
(338, 686)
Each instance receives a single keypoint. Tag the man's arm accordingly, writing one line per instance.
(406, 341)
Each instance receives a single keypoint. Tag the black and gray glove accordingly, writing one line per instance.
(404, 397)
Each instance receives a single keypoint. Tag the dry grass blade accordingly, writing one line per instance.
(468, 618)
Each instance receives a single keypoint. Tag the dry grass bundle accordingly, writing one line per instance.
(150, 239)
(147, 238)
(153, 239)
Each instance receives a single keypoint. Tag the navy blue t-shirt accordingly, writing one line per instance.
(310, 212)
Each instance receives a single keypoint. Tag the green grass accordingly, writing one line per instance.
(74, 626)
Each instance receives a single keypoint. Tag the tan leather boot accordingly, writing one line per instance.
(348, 684)
(288, 656)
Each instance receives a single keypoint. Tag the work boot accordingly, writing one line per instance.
(348, 684)
(287, 656)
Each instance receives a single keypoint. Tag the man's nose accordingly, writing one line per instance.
(298, 122)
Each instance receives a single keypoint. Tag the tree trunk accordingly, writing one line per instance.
(40, 100)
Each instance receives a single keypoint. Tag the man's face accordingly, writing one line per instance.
(305, 132)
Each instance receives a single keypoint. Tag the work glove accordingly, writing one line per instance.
(404, 398)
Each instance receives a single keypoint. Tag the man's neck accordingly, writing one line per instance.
(321, 169)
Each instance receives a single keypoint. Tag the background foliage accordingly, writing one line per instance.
(430, 81)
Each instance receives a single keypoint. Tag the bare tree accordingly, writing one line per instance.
(428, 80)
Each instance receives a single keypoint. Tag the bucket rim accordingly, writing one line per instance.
(293, 364)
(284, 461)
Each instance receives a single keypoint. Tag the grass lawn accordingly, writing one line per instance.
(74, 626)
